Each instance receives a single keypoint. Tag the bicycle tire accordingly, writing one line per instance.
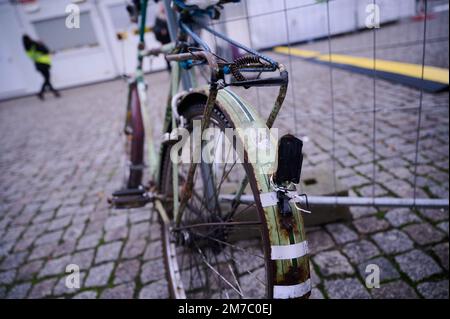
(195, 111)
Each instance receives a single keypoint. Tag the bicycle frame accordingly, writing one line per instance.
(291, 277)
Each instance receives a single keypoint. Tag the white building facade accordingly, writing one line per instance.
(104, 47)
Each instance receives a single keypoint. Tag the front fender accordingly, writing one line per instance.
(291, 277)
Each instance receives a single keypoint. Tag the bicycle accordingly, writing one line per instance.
(229, 229)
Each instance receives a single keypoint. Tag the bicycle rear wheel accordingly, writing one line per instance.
(220, 252)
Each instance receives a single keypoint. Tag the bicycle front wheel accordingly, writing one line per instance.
(220, 250)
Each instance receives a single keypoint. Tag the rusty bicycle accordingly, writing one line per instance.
(231, 221)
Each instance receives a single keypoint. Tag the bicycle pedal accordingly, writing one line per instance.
(129, 198)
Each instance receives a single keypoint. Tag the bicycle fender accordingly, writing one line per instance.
(288, 246)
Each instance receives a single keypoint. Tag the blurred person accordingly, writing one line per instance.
(40, 55)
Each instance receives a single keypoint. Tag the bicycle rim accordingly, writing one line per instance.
(217, 252)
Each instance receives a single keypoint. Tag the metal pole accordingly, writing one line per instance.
(361, 201)
(173, 30)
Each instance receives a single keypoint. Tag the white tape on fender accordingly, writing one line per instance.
(289, 251)
(293, 291)
(270, 198)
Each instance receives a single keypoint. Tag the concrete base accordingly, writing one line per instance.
(320, 182)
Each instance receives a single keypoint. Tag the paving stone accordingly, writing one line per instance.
(434, 290)
(349, 288)
(29, 270)
(116, 234)
(424, 234)
(89, 241)
(152, 271)
(316, 294)
(360, 251)
(88, 294)
(341, 233)
(99, 275)
(401, 216)
(434, 215)
(393, 241)
(108, 252)
(140, 216)
(153, 250)
(394, 290)
(417, 265)
(65, 248)
(443, 226)
(61, 287)
(133, 248)
(126, 271)
(60, 223)
(141, 231)
(5, 247)
(42, 289)
(332, 263)
(13, 261)
(19, 291)
(370, 225)
(41, 251)
(441, 250)
(48, 238)
(115, 222)
(74, 232)
(124, 291)
(7, 277)
(83, 259)
(315, 279)
(387, 270)
(55, 267)
(155, 290)
(319, 241)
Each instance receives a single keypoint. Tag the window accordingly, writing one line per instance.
(57, 37)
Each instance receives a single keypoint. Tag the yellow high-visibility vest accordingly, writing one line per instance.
(39, 57)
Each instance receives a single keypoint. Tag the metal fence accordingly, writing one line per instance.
(419, 39)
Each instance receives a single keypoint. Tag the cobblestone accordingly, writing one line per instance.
(19, 291)
(152, 270)
(360, 251)
(124, 291)
(387, 270)
(424, 234)
(126, 271)
(394, 290)
(393, 241)
(417, 265)
(434, 290)
(441, 251)
(370, 225)
(333, 263)
(99, 275)
(346, 289)
(154, 290)
(319, 240)
(401, 216)
(43, 289)
(341, 233)
(108, 252)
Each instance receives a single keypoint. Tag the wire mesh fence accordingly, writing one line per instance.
(379, 138)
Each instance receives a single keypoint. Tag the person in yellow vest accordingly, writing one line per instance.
(40, 55)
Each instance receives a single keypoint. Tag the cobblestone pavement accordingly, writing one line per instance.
(60, 159)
